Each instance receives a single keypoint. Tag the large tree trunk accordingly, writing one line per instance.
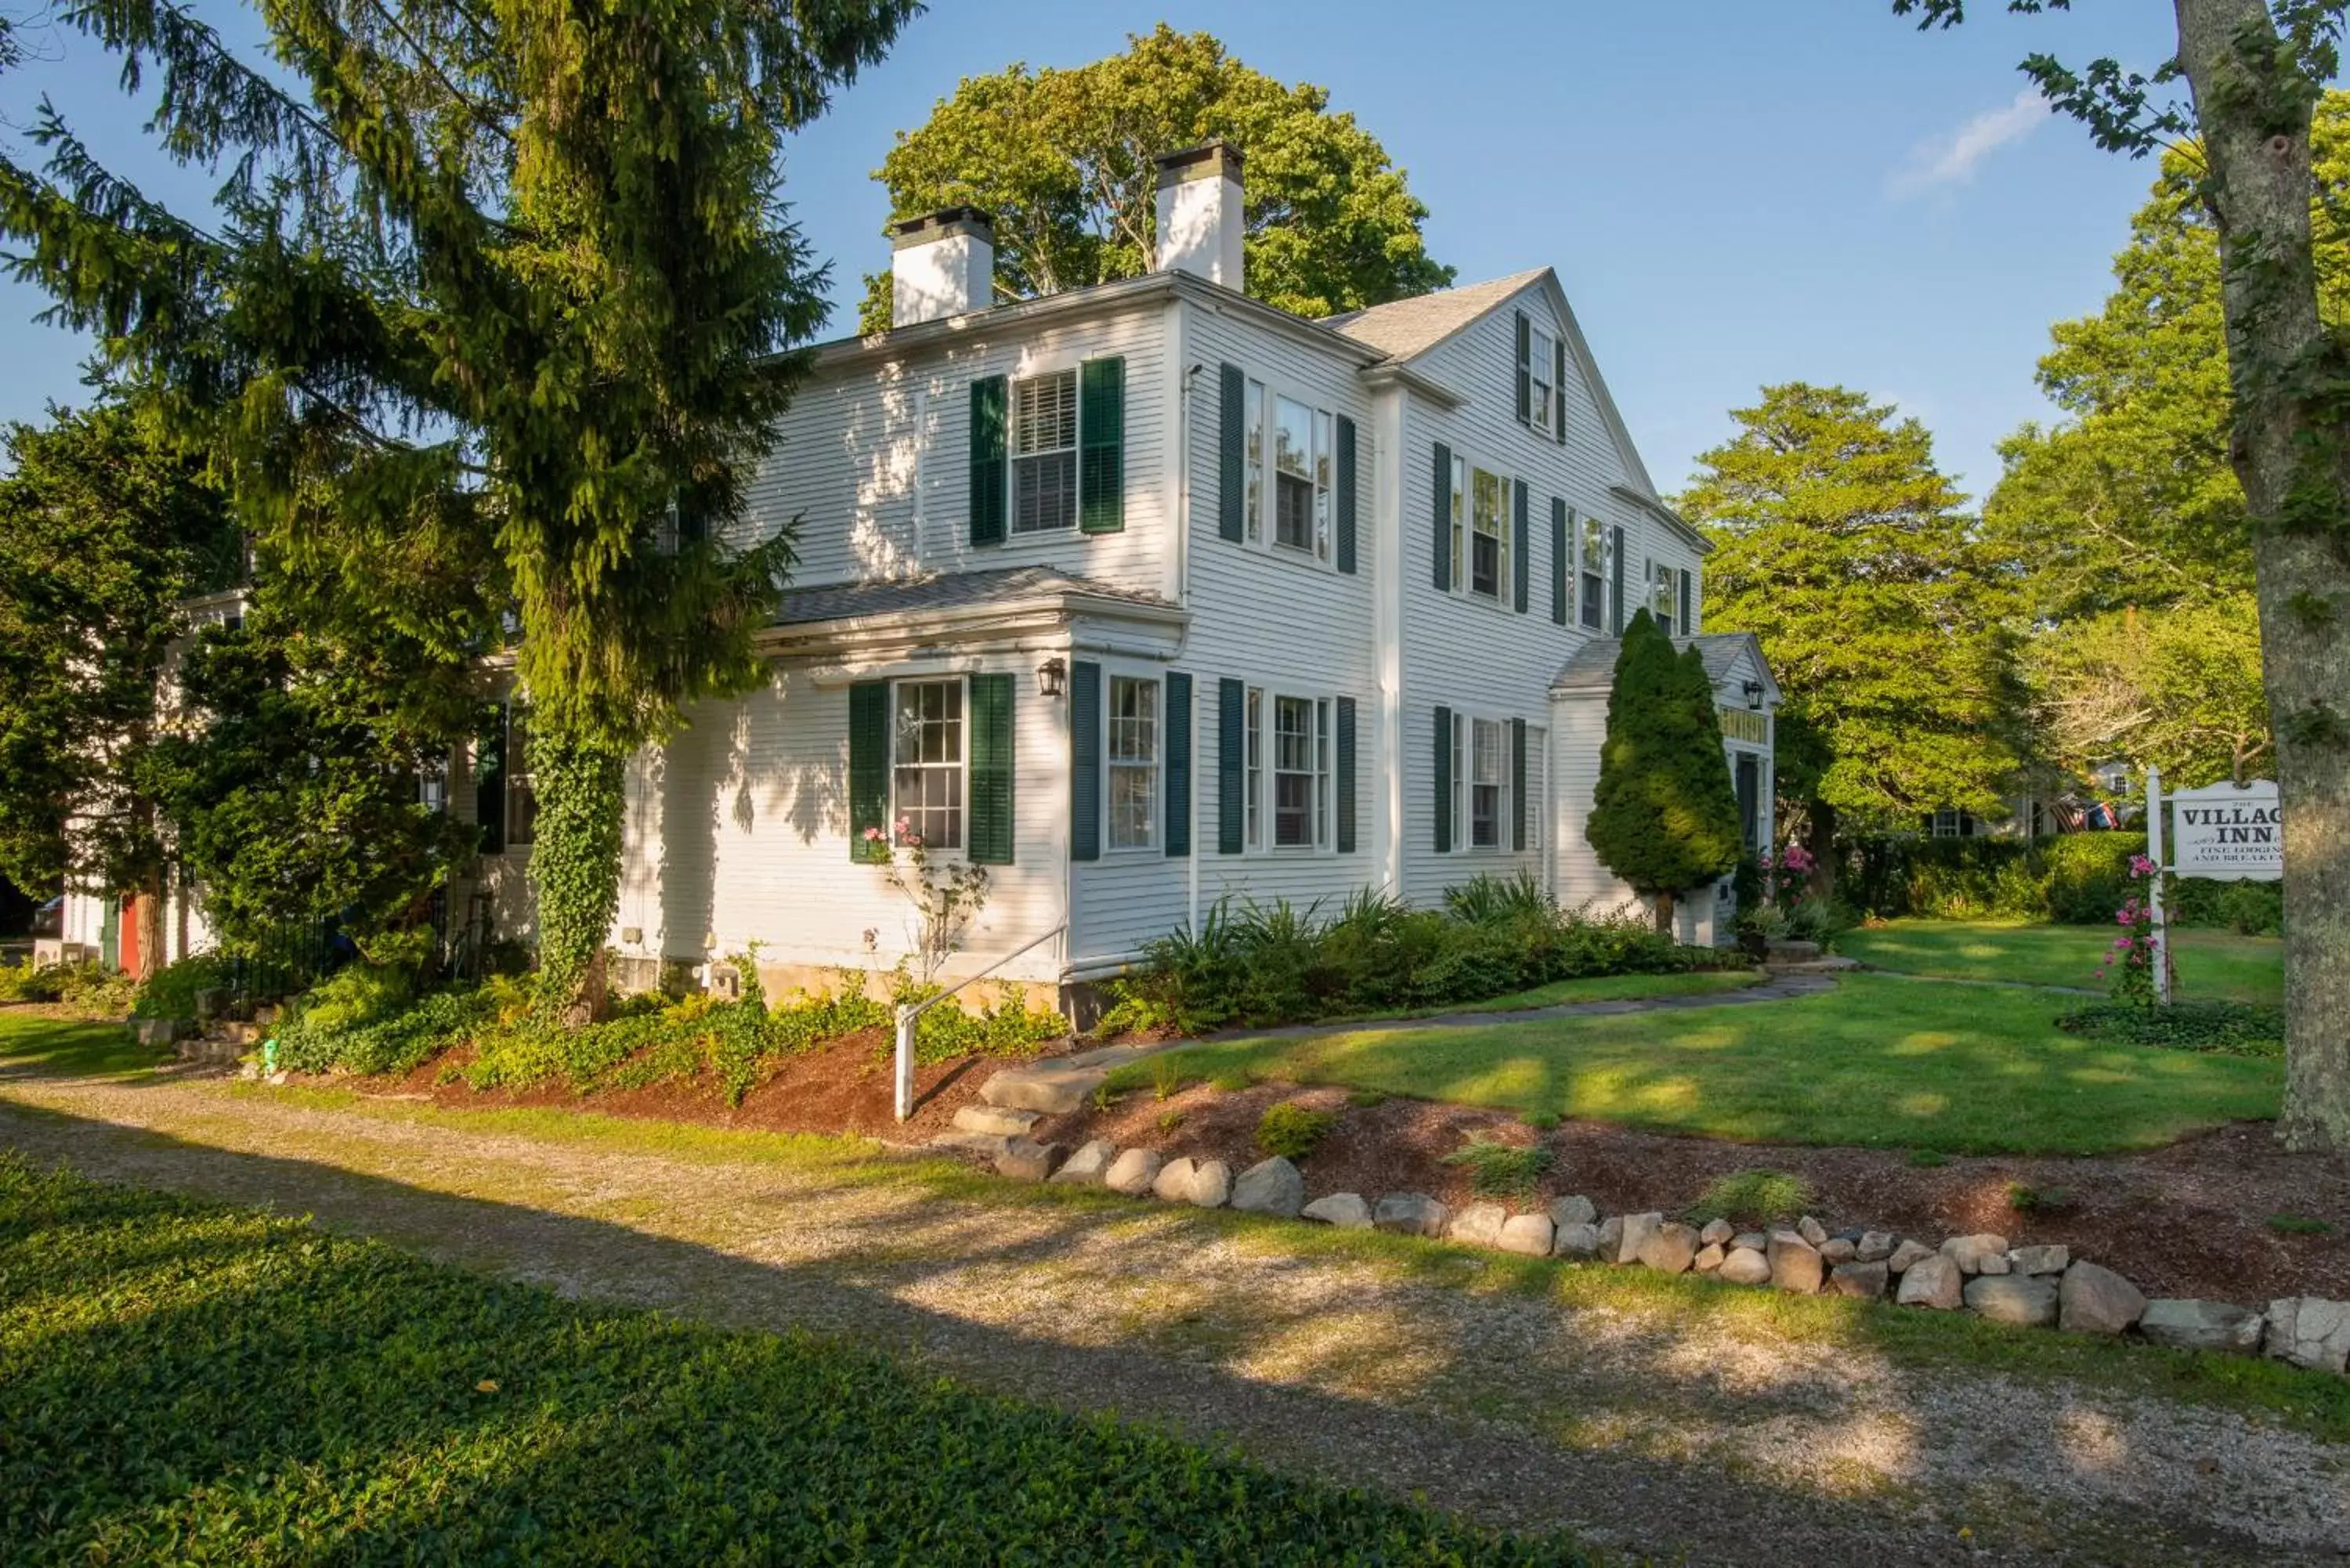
(2292, 452)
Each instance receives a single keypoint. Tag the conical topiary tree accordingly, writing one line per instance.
(1665, 815)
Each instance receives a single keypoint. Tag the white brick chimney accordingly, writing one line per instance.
(1200, 215)
(942, 264)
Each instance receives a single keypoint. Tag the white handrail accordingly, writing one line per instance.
(908, 1012)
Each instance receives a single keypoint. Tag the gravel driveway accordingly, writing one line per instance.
(1678, 1433)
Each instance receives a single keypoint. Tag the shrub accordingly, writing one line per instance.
(170, 991)
(2227, 1028)
(2075, 879)
(1756, 1196)
(85, 986)
(2025, 1200)
(1280, 964)
(1291, 1130)
(1500, 1169)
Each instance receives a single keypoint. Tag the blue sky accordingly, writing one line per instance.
(1733, 193)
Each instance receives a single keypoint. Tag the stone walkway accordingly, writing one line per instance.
(1708, 1426)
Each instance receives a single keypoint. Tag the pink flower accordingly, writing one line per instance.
(1796, 858)
(872, 836)
(2141, 866)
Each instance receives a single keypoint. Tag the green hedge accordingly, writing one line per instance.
(1258, 965)
(189, 1383)
(2078, 879)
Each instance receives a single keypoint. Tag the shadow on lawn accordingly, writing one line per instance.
(353, 1385)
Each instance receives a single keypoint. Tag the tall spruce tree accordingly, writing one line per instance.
(1664, 815)
(520, 270)
(2255, 73)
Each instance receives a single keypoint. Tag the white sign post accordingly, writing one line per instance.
(2228, 832)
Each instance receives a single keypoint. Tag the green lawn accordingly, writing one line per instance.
(1876, 1062)
(190, 1383)
(37, 1038)
(2210, 964)
(1596, 988)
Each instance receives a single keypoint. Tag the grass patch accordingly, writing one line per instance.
(2298, 1225)
(179, 1380)
(1876, 1062)
(1753, 1198)
(1291, 1130)
(1594, 988)
(2211, 965)
(2028, 1199)
(1500, 1169)
(67, 1046)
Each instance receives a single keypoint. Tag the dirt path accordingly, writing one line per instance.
(1692, 1435)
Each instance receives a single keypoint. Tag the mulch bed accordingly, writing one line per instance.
(2190, 1219)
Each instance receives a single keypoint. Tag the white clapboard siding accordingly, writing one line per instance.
(873, 458)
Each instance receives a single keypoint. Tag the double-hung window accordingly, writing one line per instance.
(1304, 447)
(1253, 778)
(1045, 452)
(1485, 774)
(1460, 577)
(1133, 762)
(1541, 394)
(1663, 596)
(1489, 540)
(521, 792)
(1254, 450)
(1301, 773)
(1595, 575)
(926, 761)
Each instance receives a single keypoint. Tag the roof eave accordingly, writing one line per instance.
(1665, 514)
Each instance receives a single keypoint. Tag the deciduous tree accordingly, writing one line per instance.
(2256, 71)
(1062, 160)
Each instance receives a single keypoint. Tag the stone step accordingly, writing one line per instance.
(996, 1119)
(1054, 1089)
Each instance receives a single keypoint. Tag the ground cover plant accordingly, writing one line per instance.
(1254, 965)
(1754, 1197)
(2218, 965)
(188, 1382)
(84, 987)
(1501, 1170)
(359, 1021)
(1879, 1062)
(2232, 1028)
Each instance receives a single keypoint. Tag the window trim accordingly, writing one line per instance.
(1462, 753)
(1591, 582)
(1541, 375)
(962, 764)
(1466, 467)
(1260, 472)
(1012, 381)
(1261, 769)
(1156, 681)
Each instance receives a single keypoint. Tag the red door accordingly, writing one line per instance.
(131, 954)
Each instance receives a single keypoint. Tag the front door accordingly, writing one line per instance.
(1749, 799)
(109, 934)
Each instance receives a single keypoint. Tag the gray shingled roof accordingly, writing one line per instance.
(950, 591)
(1405, 327)
(1592, 668)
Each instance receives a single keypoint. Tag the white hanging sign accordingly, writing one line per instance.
(2229, 832)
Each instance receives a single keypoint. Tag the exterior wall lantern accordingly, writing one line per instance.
(1052, 676)
(1754, 695)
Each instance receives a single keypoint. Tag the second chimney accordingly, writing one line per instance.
(941, 265)
(1200, 215)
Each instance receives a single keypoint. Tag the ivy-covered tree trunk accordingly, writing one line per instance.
(2290, 379)
(575, 863)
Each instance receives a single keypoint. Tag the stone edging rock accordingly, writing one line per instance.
(2037, 1286)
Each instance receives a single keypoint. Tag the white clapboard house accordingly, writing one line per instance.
(1148, 595)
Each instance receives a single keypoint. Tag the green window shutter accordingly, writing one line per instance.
(1616, 582)
(1177, 779)
(1560, 566)
(1443, 518)
(1085, 759)
(869, 767)
(1517, 784)
(1558, 386)
(992, 760)
(1521, 548)
(1345, 496)
(1688, 625)
(490, 781)
(988, 473)
(1525, 369)
(1101, 446)
(1231, 757)
(1344, 782)
(1231, 452)
(1443, 780)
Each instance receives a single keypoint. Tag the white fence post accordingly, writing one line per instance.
(906, 1016)
(2154, 852)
